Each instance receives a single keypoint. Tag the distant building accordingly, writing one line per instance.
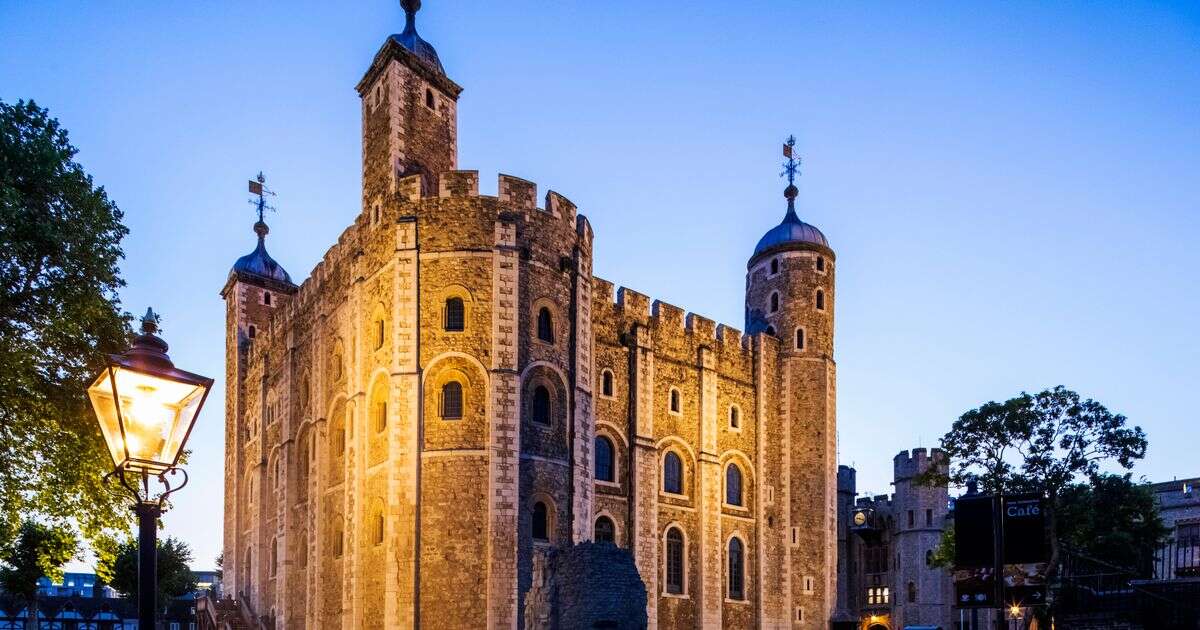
(1179, 507)
(73, 585)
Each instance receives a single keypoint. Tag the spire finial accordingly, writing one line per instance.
(258, 187)
(149, 322)
(791, 168)
(410, 13)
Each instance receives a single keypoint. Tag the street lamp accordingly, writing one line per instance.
(146, 408)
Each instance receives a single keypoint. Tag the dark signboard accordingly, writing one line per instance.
(974, 535)
(1025, 529)
(1021, 521)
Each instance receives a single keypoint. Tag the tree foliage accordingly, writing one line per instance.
(1043, 442)
(38, 550)
(60, 242)
(1040, 442)
(174, 575)
(1114, 520)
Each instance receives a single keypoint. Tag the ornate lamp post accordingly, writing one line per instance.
(146, 408)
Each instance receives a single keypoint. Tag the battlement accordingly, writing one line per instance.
(510, 191)
(847, 479)
(910, 464)
(661, 315)
(877, 501)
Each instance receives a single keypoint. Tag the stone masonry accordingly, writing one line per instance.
(415, 426)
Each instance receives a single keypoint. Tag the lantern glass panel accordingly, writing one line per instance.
(155, 413)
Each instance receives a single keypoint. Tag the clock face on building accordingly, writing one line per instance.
(860, 518)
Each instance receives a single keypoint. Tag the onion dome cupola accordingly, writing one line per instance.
(791, 233)
(258, 264)
(411, 41)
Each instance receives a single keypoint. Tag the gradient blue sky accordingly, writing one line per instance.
(1011, 189)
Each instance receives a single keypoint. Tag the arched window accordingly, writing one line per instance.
(774, 266)
(774, 302)
(274, 555)
(380, 415)
(672, 473)
(675, 400)
(249, 568)
(737, 569)
(253, 332)
(452, 400)
(820, 300)
(455, 320)
(820, 263)
(545, 325)
(912, 592)
(674, 572)
(606, 383)
(733, 484)
(541, 405)
(429, 102)
(799, 338)
(735, 420)
(377, 528)
(604, 459)
(541, 522)
(605, 530)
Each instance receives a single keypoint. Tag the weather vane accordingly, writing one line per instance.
(257, 187)
(792, 166)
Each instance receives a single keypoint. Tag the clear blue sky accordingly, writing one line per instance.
(1011, 189)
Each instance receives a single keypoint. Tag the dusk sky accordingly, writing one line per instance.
(1012, 190)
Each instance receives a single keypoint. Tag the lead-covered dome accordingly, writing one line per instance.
(259, 262)
(413, 42)
(790, 231)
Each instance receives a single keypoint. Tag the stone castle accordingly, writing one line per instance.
(451, 394)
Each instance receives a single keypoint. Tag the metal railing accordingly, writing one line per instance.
(1177, 559)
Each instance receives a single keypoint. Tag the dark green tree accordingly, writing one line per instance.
(37, 550)
(1114, 520)
(174, 575)
(60, 242)
(1041, 442)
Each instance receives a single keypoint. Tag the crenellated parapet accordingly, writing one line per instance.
(909, 464)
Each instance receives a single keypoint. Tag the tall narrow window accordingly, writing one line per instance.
(274, 554)
(540, 525)
(799, 338)
(541, 405)
(455, 315)
(379, 333)
(267, 298)
(606, 383)
(774, 302)
(604, 459)
(605, 530)
(820, 300)
(820, 263)
(737, 570)
(377, 524)
(429, 102)
(928, 518)
(452, 400)
(733, 485)
(337, 542)
(774, 266)
(545, 325)
(912, 592)
(672, 473)
(253, 332)
(735, 420)
(380, 415)
(674, 567)
(675, 400)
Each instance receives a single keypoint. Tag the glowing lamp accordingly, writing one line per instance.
(145, 405)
